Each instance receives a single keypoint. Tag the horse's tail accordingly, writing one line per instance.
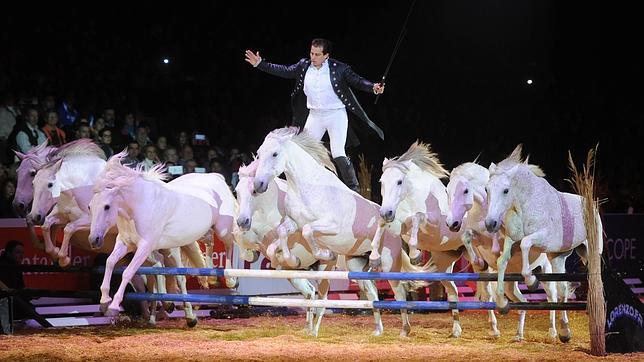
(407, 267)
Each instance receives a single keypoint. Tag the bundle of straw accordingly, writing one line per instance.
(364, 177)
(583, 182)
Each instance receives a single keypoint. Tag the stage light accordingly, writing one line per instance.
(529, 81)
(166, 60)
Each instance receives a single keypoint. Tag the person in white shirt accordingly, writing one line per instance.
(321, 97)
(30, 136)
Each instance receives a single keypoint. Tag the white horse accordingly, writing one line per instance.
(152, 215)
(467, 210)
(545, 219)
(414, 204)
(30, 163)
(259, 218)
(333, 219)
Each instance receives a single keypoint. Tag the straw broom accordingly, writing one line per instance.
(583, 182)
(364, 177)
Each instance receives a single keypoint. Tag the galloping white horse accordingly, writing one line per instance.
(152, 215)
(333, 219)
(468, 208)
(414, 204)
(545, 219)
(258, 219)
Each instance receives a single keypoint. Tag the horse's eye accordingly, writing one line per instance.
(399, 182)
(32, 173)
(466, 191)
(505, 191)
(107, 207)
(274, 154)
(50, 185)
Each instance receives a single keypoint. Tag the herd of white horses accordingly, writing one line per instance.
(505, 218)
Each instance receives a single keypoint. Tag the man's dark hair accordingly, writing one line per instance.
(322, 43)
(102, 132)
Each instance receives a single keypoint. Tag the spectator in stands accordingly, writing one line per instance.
(30, 135)
(54, 134)
(133, 153)
(151, 158)
(84, 131)
(8, 118)
(170, 156)
(109, 115)
(7, 192)
(189, 166)
(105, 142)
(129, 127)
(97, 127)
(186, 154)
(162, 144)
(142, 137)
(12, 279)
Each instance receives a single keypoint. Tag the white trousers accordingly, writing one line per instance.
(335, 122)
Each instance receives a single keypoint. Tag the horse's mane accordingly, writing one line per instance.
(116, 175)
(79, 147)
(248, 170)
(422, 156)
(515, 159)
(36, 157)
(472, 171)
(310, 145)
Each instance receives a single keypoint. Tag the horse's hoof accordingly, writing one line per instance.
(518, 338)
(231, 285)
(191, 322)
(505, 309)
(494, 334)
(564, 338)
(375, 264)
(111, 312)
(169, 307)
(255, 256)
(417, 259)
(64, 261)
(534, 285)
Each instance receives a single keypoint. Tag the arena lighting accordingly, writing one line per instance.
(166, 60)
(529, 81)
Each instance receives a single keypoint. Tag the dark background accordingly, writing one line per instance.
(458, 82)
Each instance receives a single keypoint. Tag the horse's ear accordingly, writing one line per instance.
(492, 167)
(385, 161)
(57, 165)
(20, 155)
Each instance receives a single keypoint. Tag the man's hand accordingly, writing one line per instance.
(253, 59)
(378, 88)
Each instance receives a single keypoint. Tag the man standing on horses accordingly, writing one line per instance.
(321, 97)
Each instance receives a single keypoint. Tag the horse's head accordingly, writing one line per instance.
(246, 195)
(271, 160)
(394, 187)
(30, 163)
(103, 209)
(500, 196)
(46, 191)
(466, 186)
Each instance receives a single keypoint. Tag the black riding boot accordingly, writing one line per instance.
(347, 173)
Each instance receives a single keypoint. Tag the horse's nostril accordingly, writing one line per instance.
(21, 206)
(455, 224)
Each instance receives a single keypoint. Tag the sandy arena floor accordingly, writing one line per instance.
(341, 337)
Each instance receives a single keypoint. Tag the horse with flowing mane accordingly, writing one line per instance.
(152, 215)
(550, 221)
(333, 219)
(467, 210)
(30, 163)
(259, 218)
(414, 204)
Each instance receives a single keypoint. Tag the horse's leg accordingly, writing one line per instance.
(144, 248)
(527, 242)
(48, 226)
(287, 227)
(414, 253)
(444, 261)
(119, 251)
(374, 256)
(308, 291)
(488, 296)
(208, 242)
(502, 263)
(194, 255)
(323, 291)
(229, 244)
(551, 292)
(369, 288)
(516, 296)
(174, 261)
(559, 266)
(324, 227)
(82, 223)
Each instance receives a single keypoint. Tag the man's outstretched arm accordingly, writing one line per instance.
(284, 71)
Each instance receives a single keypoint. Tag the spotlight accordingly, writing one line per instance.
(166, 60)
(529, 81)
